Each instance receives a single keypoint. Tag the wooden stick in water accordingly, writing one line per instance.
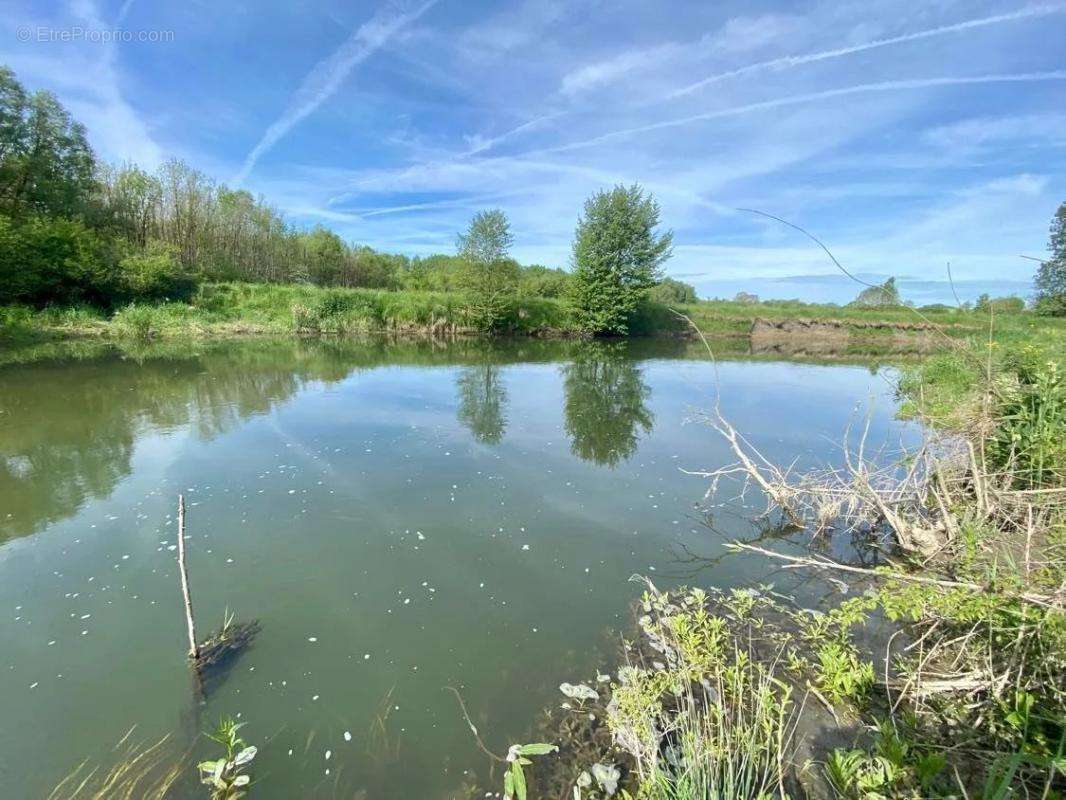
(194, 649)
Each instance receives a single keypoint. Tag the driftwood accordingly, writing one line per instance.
(183, 574)
(229, 640)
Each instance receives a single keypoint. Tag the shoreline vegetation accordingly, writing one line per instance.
(233, 308)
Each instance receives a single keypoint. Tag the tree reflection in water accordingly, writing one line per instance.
(483, 402)
(606, 403)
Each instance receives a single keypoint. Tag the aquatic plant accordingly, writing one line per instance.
(140, 773)
(514, 780)
(227, 776)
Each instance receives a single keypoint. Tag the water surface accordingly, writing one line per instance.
(401, 517)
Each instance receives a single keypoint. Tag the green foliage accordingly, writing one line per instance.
(482, 402)
(671, 292)
(51, 259)
(324, 254)
(1000, 305)
(154, 274)
(1030, 436)
(1050, 277)
(896, 766)
(46, 164)
(878, 296)
(617, 255)
(541, 281)
(842, 675)
(488, 276)
(514, 780)
(606, 405)
(710, 721)
(227, 776)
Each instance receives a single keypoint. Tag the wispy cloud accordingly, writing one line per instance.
(479, 144)
(124, 11)
(788, 62)
(89, 81)
(809, 97)
(323, 81)
(612, 69)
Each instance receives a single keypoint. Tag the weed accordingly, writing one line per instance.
(227, 776)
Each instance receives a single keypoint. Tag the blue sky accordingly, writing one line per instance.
(904, 134)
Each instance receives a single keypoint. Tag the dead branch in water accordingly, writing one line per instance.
(817, 562)
(183, 575)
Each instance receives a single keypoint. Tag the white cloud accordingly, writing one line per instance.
(612, 69)
(323, 81)
(788, 62)
(977, 132)
(809, 97)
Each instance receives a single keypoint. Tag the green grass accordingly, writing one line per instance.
(220, 309)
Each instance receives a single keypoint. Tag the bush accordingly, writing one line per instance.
(154, 274)
(670, 291)
(1003, 305)
(53, 260)
(543, 281)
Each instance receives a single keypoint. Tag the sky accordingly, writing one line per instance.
(906, 134)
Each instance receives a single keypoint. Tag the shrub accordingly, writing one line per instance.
(136, 322)
(53, 260)
(154, 274)
(670, 291)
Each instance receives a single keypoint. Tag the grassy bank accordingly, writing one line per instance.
(222, 309)
(245, 308)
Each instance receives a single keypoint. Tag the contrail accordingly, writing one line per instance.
(326, 77)
(886, 86)
(794, 61)
(124, 11)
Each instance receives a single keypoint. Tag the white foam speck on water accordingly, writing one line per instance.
(312, 638)
(328, 754)
(366, 656)
(347, 736)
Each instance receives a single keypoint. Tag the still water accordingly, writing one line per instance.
(401, 517)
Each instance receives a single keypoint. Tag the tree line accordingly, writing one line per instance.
(73, 229)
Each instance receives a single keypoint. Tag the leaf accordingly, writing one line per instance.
(508, 785)
(537, 749)
(241, 780)
(245, 756)
(519, 781)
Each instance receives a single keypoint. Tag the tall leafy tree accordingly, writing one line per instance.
(1051, 275)
(488, 275)
(46, 164)
(617, 256)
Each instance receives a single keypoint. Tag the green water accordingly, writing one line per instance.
(400, 518)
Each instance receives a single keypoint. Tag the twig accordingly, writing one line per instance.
(473, 728)
(1052, 601)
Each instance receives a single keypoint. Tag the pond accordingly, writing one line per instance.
(400, 516)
